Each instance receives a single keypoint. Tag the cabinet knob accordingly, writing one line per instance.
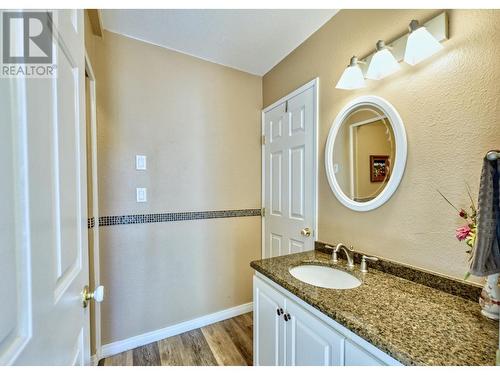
(286, 317)
(279, 311)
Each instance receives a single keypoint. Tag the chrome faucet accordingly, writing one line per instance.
(348, 253)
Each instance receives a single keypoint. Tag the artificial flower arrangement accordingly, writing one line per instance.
(466, 232)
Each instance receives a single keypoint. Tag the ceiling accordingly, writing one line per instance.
(253, 41)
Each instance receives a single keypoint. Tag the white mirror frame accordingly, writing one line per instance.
(401, 152)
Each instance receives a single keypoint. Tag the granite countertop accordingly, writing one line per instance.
(413, 323)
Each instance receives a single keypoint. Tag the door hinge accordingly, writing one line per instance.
(263, 211)
(263, 139)
(286, 106)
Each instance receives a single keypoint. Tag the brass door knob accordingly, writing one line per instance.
(306, 232)
(97, 295)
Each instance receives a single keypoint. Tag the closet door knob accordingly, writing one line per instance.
(279, 311)
(286, 317)
(97, 295)
(306, 232)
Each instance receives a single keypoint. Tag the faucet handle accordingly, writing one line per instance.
(334, 252)
(335, 257)
(364, 266)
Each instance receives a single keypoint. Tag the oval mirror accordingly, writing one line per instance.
(366, 153)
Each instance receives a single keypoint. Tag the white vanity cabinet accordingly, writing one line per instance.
(309, 341)
(287, 331)
(269, 325)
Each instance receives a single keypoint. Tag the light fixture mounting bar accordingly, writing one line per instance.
(437, 26)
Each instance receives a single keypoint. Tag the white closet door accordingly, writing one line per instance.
(289, 174)
(43, 239)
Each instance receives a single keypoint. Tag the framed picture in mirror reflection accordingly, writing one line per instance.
(379, 168)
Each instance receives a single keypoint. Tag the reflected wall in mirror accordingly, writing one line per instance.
(366, 153)
(363, 152)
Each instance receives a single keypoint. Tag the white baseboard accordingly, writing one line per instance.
(176, 329)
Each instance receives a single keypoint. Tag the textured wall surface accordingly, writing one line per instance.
(199, 125)
(450, 107)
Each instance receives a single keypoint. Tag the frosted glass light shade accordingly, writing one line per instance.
(351, 79)
(382, 65)
(421, 45)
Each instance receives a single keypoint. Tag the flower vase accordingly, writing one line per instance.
(490, 297)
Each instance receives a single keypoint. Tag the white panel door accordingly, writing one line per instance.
(309, 341)
(268, 325)
(289, 175)
(43, 241)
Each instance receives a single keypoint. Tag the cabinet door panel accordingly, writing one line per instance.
(355, 356)
(309, 341)
(268, 326)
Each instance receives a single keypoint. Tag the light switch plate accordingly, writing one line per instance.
(141, 195)
(140, 162)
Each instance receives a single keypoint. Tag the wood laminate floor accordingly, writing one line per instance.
(226, 343)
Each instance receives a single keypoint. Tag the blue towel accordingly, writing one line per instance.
(486, 252)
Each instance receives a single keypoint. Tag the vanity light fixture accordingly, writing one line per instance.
(421, 44)
(383, 63)
(422, 41)
(352, 78)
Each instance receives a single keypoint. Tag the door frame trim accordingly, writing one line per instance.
(315, 84)
(95, 203)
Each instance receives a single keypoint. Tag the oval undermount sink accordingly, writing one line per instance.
(325, 277)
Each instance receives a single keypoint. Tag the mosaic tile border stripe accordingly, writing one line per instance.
(175, 216)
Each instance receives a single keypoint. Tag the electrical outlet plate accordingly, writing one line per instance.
(140, 162)
(141, 195)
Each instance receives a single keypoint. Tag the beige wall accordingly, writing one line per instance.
(161, 274)
(368, 139)
(199, 125)
(450, 107)
(90, 39)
